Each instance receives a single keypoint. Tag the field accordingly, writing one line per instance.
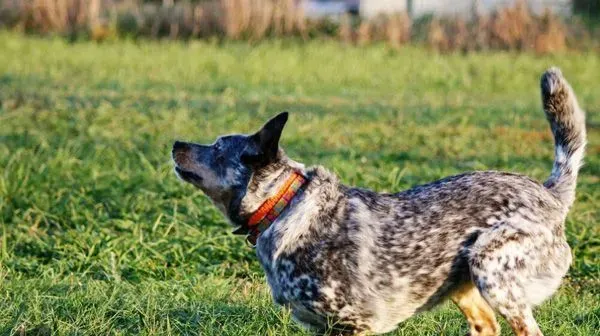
(100, 238)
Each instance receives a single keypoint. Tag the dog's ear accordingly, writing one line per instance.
(267, 140)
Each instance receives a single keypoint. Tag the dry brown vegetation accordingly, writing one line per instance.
(509, 28)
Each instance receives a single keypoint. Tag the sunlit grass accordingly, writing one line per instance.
(99, 237)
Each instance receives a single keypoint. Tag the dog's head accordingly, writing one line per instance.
(225, 169)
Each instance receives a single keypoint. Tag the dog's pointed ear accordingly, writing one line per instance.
(267, 139)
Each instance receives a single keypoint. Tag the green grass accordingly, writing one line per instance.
(99, 237)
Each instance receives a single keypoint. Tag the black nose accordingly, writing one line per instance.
(179, 145)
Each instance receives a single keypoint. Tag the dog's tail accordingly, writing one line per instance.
(567, 122)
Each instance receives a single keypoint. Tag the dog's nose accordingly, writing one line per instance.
(178, 145)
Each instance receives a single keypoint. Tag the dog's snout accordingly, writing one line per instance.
(179, 145)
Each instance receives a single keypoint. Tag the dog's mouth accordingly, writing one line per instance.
(188, 176)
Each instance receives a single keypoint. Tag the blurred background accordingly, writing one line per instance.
(539, 25)
(98, 236)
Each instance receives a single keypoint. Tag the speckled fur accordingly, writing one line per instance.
(365, 261)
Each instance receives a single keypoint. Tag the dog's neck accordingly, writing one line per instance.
(270, 209)
(313, 212)
(264, 184)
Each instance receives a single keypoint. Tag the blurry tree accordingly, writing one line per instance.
(590, 8)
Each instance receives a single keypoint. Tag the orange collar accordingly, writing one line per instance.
(268, 212)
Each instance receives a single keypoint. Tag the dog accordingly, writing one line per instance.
(354, 260)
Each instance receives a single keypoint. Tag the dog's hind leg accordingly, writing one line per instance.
(481, 317)
(516, 266)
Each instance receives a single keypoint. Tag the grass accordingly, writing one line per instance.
(99, 237)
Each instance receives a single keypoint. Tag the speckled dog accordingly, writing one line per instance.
(365, 261)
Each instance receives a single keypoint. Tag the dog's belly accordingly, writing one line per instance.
(370, 294)
(388, 312)
(352, 317)
(316, 299)
(306, 317)
(376, 312)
